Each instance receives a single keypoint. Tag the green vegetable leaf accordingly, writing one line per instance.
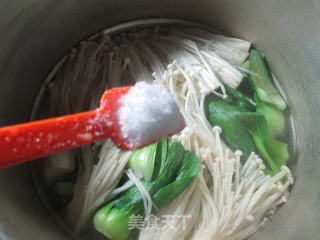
(189, 170)
(242, 130)
(234, 133)
(236, 98)
(161, 154)
(262, 82)
(172, 163)
(275, 118)
(256, 125)
(277, 150)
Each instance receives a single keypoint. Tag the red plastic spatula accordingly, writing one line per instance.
(24, 142)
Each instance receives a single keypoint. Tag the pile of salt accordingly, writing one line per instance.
(148, 113)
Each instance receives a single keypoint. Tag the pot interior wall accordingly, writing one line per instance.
(36, 34)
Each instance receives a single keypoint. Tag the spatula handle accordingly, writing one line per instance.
(24, 142)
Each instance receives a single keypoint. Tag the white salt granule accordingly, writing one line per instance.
(148, 113)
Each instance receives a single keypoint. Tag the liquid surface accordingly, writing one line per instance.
(59, 204)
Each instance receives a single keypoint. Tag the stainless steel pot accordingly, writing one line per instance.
(35, 34)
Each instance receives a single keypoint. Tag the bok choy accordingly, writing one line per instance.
(174, 169)
(247, 131)
(252, 126)
(227, 113)
(261, 80)
(274, 117)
